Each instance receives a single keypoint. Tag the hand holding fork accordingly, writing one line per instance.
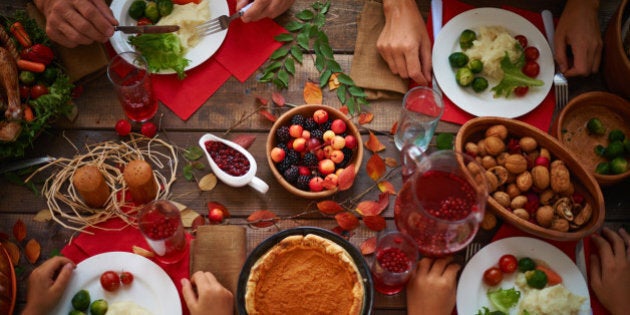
(220, 23)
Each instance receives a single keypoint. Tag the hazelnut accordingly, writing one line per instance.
(471, 148)
(518, 202)
(502, 198)
(488, 162)
(516, 163)
(544, 216)
(494, 145)
(524, 181)
(540, 176)
(521, 213)
(560, 225)
(499, 131)
(528, 144)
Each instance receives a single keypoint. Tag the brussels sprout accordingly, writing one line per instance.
(536, 279)
(600, 150)
(618, 165)
(27, 77)
(614, 149)
(626, 145)
(81, 300)
(466, 39)
(136, 9)
(526, 264)
(464, 76)
(475, 65)
(98, 307)
(458, 59)
(479, 84)
(595, 126)
(75, 312)
(616, 135)
(603, 168)
(165, 7)
(151, 12)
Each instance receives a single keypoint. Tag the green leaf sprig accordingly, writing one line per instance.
(192, 154)
(306, 33)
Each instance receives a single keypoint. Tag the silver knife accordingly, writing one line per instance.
(17, 165)
(580, 258)
(436, 18)
(147, 29)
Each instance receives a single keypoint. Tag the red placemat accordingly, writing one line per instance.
(541, 116)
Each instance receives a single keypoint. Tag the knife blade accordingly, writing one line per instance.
(436, 18)
(17, 165)
(147, 29)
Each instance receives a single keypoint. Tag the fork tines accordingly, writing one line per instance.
(472, 249)
(561, 87)
(213, 26)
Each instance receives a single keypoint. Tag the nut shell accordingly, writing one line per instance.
(494, 145)
(540, 177)
(516, 163)
(544, 216)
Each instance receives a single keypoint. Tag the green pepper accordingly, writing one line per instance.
(458, 59)
(618, 165)
(603, 168)
(98, 307)
(595, 126)
(464, 76)
(475, 65)
(81, 300)
(536, 279)
(466, 39)
(165, 7)
(526, 264)
(151, 12)
(479, 84)
(136, 9)
(616, 135)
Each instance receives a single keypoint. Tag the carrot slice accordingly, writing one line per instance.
(32, 66)
(553, 277)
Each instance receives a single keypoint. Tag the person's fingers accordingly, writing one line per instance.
(401, 66)
(427, 63)
(595, 271)
(99, 23)
(581, 66)
(254, 13)
(625, 236)
(561, 55)
(70, 32)
(424, 265)
(54, 265)
(63, 278)
(105, 11)
(617, 243)
(451, 270)
(210, 278)
(597, 59)
(88, 21)
(439, 265)
(603, 249)
(187, 292)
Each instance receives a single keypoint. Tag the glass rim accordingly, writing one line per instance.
(132, 60)
(437, 97)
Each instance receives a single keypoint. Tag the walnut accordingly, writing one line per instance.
(499, 131)
(481, 147)
(518, 202)
(524, 181)
(472, 148)
(512, 190)
(493, 182)
(502, 198)
(488, 161)
(516, 163)
(501, 158)
(564, 208)
(547, 197)
(560, 177)
(528, 144)
(521, 213)
(540, 176)
(474, 168)
(544, 216)
(584, 215)
(501, 173)
(561, 225)
(494, 145)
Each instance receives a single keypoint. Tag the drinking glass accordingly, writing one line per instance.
(161, 224)
(130, 75)
(422, 108)
(395, 259)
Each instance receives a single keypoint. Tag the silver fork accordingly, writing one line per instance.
(560, 83)
(471, 250)
(220, 23)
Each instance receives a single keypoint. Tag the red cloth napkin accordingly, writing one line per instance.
(508, 230)
(540, 116)
(102, 241)
(244, 50)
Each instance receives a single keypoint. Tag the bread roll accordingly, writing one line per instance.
(139, 177)
(90, 183)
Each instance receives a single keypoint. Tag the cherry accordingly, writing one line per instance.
(123, 127)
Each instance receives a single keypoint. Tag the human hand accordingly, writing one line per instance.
(263, 9)
(578, 28)
(77, 22)
(46, 285)
(610, 271)
(209, 297)
(404, 41)
(431, 289)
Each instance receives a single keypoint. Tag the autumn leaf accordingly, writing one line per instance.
(371, 207)
(142, 252)
(346, 177)
(365, 118)
(312, 93)
(386, 187)
(188, 217)
(265, 113)
(374, 222)
(347, 221)
(244, 141)
(262, 218)
(278, 99)
(368, 246)
(208, 182)
(329, 207)
(197, 222)
(333, 82)
(13, 251)
(391, 162)
(375, 167)
(394, 128)
(43, 215)
(262, 101)
(32, 250)
(19, 230)
(373, 144)
(344, 110)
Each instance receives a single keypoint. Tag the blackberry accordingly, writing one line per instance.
(325, 126)
(282, 146)
(292, 156)
(317, 134)
(283, 165)
(310, 160)
(347, 156)
(291, 174)
(283, 134)
(298, 119)
(302, 182)
(310, 124)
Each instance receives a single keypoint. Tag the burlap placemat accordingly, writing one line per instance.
(369, 70)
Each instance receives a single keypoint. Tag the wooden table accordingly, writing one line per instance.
(99, 110)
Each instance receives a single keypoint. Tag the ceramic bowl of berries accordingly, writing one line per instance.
(534, 182)
(309, 145)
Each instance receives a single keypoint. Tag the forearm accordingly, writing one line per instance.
(395, 8)
(582, 4)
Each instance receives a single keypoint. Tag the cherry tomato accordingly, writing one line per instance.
(25, 91)
(531, 53)
(521, 90)
(521, 40)
(493, 276)
(531, 69)
(144, 21)
(123, 127)
(126, 277)
(508, 263)
(148, 129)
(110, 281)
(38, 90)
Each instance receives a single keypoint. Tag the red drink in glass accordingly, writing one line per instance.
(160, 223)
(395, 258)
(129, 73)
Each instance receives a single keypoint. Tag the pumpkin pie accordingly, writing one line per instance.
(304, 275)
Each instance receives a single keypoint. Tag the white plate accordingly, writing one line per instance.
(151, 287)
(206, 47)
(471, 291)
(484, 104)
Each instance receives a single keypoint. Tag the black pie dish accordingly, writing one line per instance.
(267, 244)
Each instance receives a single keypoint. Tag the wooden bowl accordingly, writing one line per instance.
(616, 63)
(583, 180)
(571, 131)
(307, 111)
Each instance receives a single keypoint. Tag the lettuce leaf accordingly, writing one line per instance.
(513, 77)
(503, 299)
(162, 51)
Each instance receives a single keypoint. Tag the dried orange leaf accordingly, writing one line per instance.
(333, 82)
(375, 167)
(370, 207)
(43, 215)
(391, 162)
(188, 216)
(13, 251)
(344, 110)
(32, 250)
(347, 221)
(373, 144)
(329, 207)
(365, 118)
(208, 182)
(346, 177)
(312, 93)
(262, 218)
(374, 222)
(394, 128)
(387, 187)
(368, 246)
(199, 221)
(142, 252)
(278, 99)
(262, 101)
(244, 141)
(265, 113)
(19, 230)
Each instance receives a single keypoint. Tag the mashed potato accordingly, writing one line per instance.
(187, 17)
(553, 300)
(126, 308)
(490, 46)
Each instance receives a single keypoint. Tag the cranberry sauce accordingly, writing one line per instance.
(227, 158)
(394, 260)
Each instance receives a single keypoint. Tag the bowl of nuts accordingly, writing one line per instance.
(534, 183)
(308, 147)
(594, 127)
